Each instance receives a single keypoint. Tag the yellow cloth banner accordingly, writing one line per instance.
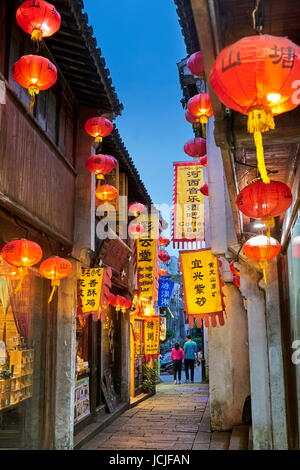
(147, 252)
(90, 285)
(201, 281)
(152, 334)
(189, 202)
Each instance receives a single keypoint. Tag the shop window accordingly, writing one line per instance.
(294, 292)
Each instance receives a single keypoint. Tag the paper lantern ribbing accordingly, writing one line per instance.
(192, 119)
(163, 256)
(255, 76)
(106, 193)
(34, 73)
(262, 249)
(99, 127)
(22, 254)
(195, 63)
(136, 208)
(196, 147)
(55, 268)
(100, 165)
(259, 200)
(200, 107)
(38, 18)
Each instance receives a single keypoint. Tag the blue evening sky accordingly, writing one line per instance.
(141, 42)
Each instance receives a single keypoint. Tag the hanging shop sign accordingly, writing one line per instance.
(90, 284)
(152, 335)
(163, 328)
(203, 297)
(165, 290)
(188, 213)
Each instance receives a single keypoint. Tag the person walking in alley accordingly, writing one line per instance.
(189, 358)
(176, 356)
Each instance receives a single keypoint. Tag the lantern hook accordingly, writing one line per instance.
(258, 16)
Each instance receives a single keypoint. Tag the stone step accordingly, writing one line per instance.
(239, 438)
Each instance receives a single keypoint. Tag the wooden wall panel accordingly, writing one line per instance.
(32, 173)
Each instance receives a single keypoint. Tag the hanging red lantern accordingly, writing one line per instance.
(233, 268)
(262, 249)
(38, 18)
(136, 208)
(192, 119)
(237, 281)
(126, 304)
(135, 230)
(22, 254)
(204, 189)
(106, 193)
(195, 63)
(34, 73)
(255, 76)
(98, 127)
(111, 298)
(117, 302)
(55, 268)
(162, 272)
(164, 241)
(203, 161)
(259, 200)
(196, 147)
(163, 256)
(100, 165)
(200, 107)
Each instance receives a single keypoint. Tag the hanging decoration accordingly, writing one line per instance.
(38, 18)
(100, 165)
(192, 119)
(165, 291)
(203, 161)
(163, 329)
(259, 200)
(90, 285)
(163, 256)
(195, 63)
(200, 107)
(203, 297)
(152, 335)
(262, 249)
(106, 193)
(233, 268)
(99, 127)
(162, 272)
(22, 254)
(196, 147)
(204, 189)
(255, 76)
(188, 212)
(34, 73)
(55, 268)
(135, 230)
(136, 208)
(236, 281)
(164, 241)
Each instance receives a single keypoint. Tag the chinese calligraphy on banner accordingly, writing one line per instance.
(90, 284)
(188, 219)
(147, 252)
(202, 288)
(152, 335)
(165, 290)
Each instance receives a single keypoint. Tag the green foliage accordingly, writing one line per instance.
(149, 378)
(170, 333)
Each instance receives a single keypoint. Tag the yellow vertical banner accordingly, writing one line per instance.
(90, 284)
(188, 212)
(152, 336)
(202, 286)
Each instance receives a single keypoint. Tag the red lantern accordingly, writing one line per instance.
(195, 148)
(106, 193)
(192, 119)
(237, 281)
(55, 268)
(35, 73)
(261, 248)
(255, 76)
(203, 161)
(127, 304)
(200, 107)
(135, 230)
(163, 256)
(163, 241)
(204, 189)
(195, 63)
(38, 18)
(136, 208)
(162, 272)
(98, 127)
(111, 298)
(100, 165)
(259, 200)
(233, 269)
(117, 302)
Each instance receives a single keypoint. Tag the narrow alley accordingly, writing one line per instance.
(176, 418)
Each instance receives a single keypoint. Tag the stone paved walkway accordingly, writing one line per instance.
(177, 417)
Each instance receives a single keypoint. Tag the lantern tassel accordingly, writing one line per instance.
(54, 284)
(22, 275)
(259, 121)
(37, 35)
(263, 266)
(98, 138)
(32, 90)
(203, 120)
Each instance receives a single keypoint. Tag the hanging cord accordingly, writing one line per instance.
(258, 16)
